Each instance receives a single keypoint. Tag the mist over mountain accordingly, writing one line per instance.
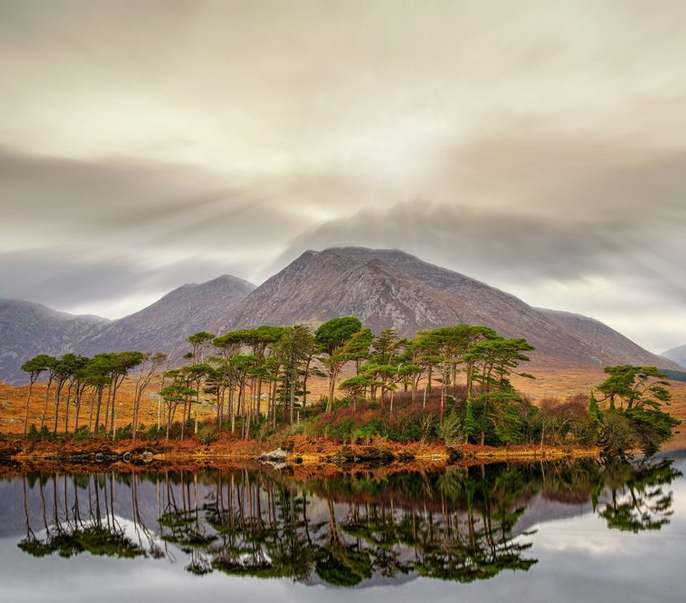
(677, 355)
(384, 288)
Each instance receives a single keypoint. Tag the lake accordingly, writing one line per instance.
(557, 531)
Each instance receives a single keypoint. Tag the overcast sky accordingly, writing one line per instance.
(537, 146)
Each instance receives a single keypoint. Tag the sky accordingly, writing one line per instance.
(537, 146)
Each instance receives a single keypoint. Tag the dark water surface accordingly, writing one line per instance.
(563, 531)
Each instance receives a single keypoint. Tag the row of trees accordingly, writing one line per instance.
(251, 374)
(74, 380)
(257, 377)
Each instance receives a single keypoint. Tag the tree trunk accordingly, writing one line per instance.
(197, 410)
(183, 418)
(305, 377)
(28, 401)
(292, 394)
(77, 406)
(66, 413)
(232, 410)
(97, 414)
(332, 389)
(45, 407)
(57, 405)
(107, 406)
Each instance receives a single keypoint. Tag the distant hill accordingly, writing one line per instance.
(28, 329)
(165, 325)
(677, 355)
(385, 288)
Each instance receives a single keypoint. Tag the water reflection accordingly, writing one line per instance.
(462, 524)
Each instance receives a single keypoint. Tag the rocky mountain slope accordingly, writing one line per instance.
(604, 344)
(28, 329)
(677, 355)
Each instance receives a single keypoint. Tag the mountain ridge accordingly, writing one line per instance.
(29, 328)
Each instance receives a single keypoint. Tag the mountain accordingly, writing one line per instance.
(28, 329)
(393, 289)
(677, 355)
(385, 288)
(165, 325)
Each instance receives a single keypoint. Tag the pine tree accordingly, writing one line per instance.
(594, 410)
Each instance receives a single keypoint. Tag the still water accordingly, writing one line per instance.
(563, 531)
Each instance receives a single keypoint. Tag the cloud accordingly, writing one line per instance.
(80, 232)
(592, 220)
(66, 278)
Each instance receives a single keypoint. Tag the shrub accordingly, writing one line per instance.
(33, 434)
(450, 431)
(207, 433)
(341, 431)
(616, 436)
(153, 433)
(82, 433)
(406, 430)
(428, 426)
(124, 433)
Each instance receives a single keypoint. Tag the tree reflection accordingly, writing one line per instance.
(462, 524)
(637, 500)
(84, 526)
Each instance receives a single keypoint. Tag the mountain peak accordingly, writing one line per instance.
(365, 252)
(28, 329)
(165, 325)
(223, 281)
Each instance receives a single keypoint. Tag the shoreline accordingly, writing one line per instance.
(306, 453)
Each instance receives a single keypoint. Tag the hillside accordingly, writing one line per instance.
(28, 329)
(677, 355)
(604, 344)
(165, 325)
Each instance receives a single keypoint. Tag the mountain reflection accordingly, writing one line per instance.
(462, 524)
